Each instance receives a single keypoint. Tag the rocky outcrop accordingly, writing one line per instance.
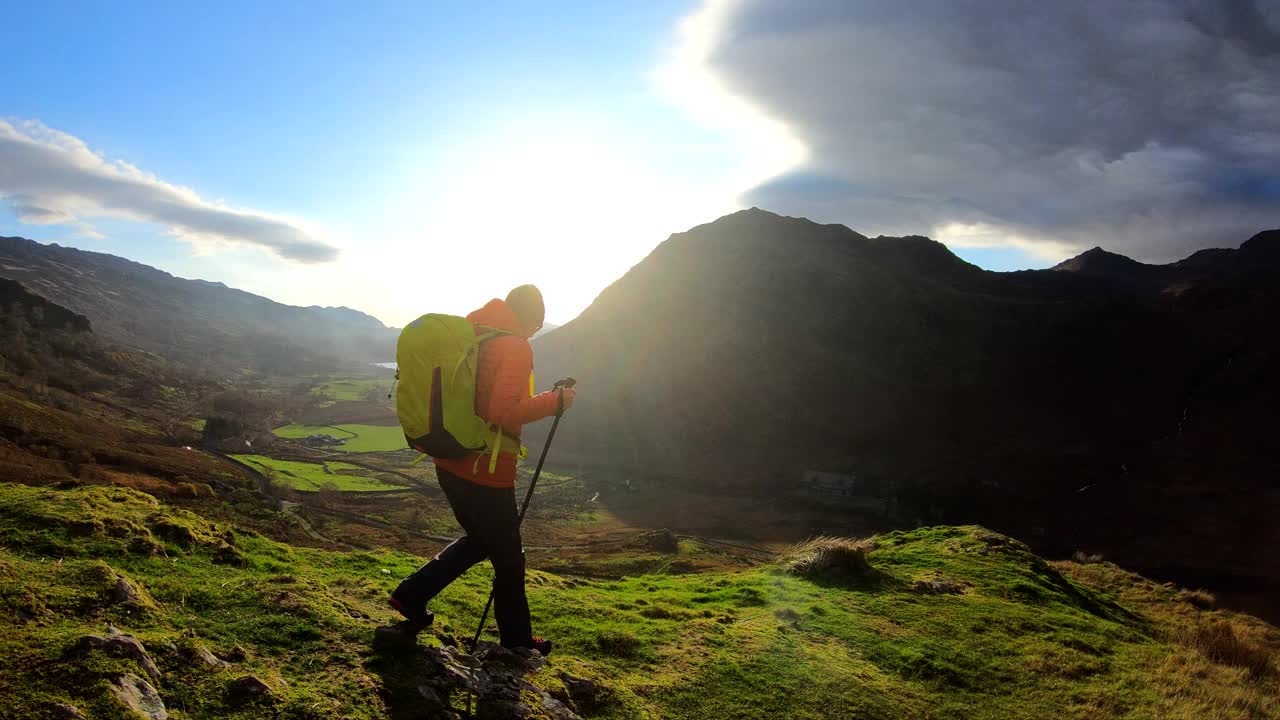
(938, 587)
(139, 696)
(247, 689)
(124, 592)
(201, 655)
(119, 645)
(500, 683)
(495, 676)
(63, 711)
(584, 695)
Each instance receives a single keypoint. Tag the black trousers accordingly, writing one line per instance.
(488, 517)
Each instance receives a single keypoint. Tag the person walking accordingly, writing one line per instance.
(481, 488)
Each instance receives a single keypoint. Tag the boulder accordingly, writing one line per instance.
(435, 706)
(494, 675)
(247, 689)
(938, 587)
(124, 592)
(63, 711)
(139, 696)
(116, 644)
(584, 693)
(201, 655)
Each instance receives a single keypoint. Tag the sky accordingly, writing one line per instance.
(410, 157)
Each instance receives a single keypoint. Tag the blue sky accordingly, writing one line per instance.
(443, 150)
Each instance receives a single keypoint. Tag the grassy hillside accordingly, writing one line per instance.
(943, 622)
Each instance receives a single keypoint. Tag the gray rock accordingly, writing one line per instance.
(124, 592)
(201, 654)
(435, 706)
(63, 711)
(556, 709)
(138, 695)
(583, 692)
(248, 689)
(400, 637)
(495, 676)
(938, 587)
(120, 645)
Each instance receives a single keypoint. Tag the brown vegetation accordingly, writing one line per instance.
(1224, 642)
(829, 557)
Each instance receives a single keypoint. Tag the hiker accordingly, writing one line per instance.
(482, 491)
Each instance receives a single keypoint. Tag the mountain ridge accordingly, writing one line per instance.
(197, 322)
(744, 352)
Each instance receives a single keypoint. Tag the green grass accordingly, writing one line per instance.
(352, 389)
(360, 438)
(1025, 639)
(310, 477)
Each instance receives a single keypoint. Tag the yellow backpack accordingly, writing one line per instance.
(436, 358)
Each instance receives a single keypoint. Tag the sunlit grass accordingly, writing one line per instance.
(359, 438)
(352, 389)
(1025, 639)
(310, 477)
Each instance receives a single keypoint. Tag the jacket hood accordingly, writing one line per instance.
(498, 315)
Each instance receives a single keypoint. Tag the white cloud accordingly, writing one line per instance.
(51, 177)
(687, 78)
(1150, 127)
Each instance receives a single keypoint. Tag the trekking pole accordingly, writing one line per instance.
(560, 386)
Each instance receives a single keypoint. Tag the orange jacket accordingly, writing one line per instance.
(502, 394)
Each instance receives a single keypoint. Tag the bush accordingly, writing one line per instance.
(829, 556)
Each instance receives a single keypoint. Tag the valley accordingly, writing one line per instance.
(243, 529)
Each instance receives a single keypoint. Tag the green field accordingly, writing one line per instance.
(309, 477)
(352, 389)
(1016, 637)
(360, 438)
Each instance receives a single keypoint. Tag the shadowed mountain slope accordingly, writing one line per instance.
(1103, 404)
(193, 321)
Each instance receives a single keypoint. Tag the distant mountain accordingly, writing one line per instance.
(1100, 263)
(546, 328)
(1104, 404)
(197, 322)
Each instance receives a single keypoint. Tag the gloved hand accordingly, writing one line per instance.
(567, 395)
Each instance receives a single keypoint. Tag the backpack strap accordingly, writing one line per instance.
(480, 340)
(497, 446)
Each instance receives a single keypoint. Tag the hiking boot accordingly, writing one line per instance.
(415, 621)
(542, 645)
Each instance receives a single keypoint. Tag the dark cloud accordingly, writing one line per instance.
(50, 177)
(1148, 126)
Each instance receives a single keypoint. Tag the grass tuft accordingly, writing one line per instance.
(1202, 599)
(1218, 641)
(829, 557)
